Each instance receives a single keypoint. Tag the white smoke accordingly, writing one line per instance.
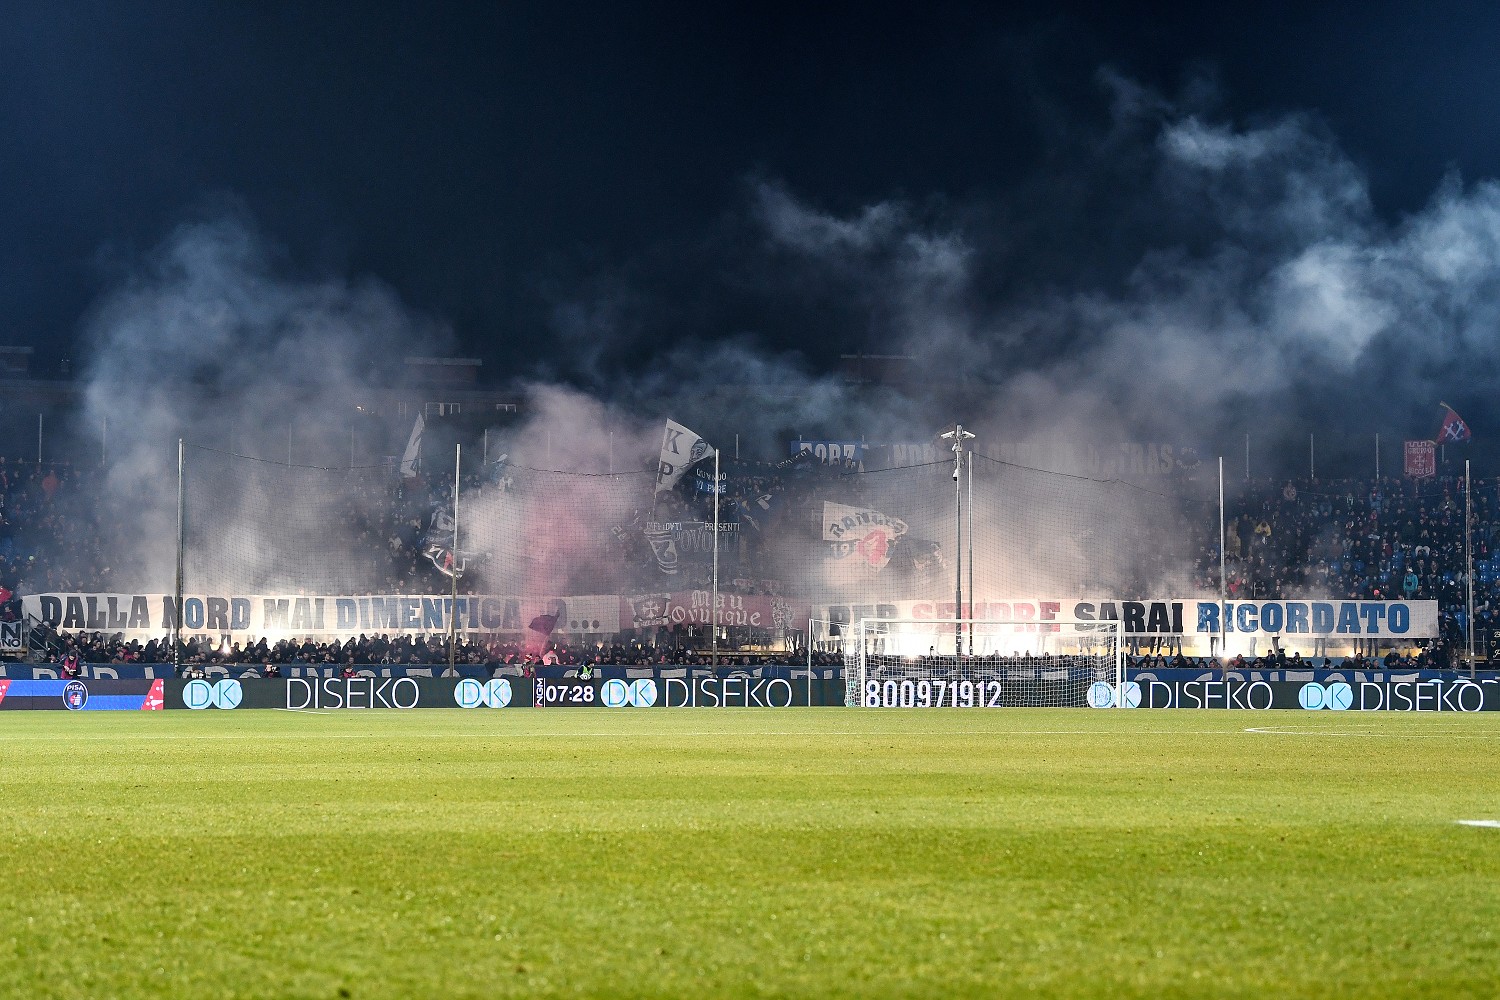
(1174, 276)
(211, 342)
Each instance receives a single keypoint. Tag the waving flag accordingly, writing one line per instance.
(411, 458)
(680, 448)
(1454, 430)
(859, 536)
(539, 632)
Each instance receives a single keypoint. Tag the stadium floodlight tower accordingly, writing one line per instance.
(958, 436)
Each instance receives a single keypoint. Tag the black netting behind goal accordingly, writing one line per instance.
(612, 554)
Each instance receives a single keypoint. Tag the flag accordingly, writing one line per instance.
(859, 536)
(410, 459)
(437, 544)
(663, 547)
(680, 448)
(539, 632)
(1454, 430)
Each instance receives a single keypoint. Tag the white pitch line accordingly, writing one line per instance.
(566, 735)
(1446, 734)
(1493, 824)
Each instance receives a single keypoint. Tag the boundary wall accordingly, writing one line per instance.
(1325, 690)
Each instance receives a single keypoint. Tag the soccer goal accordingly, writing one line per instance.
(947, 663)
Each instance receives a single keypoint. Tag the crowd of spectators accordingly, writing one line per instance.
(203, 651)
(1384, 538)
(1373, 539)
(1431, 656)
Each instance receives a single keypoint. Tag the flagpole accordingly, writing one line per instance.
(714, 614)
(1223, 589)
(453, 565)
(1469, 559)
(181, 536)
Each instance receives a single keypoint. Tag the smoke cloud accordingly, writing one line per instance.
(211, 341)
(1167, 277)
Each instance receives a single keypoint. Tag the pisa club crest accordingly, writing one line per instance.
(75, 695)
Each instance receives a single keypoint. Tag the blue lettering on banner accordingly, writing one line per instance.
(1392, 618)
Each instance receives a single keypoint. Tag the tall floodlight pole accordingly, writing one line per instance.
(177, 618)
(458, 451)
(958, 436)
(1469, 558)
(713, 615)
(969, 499)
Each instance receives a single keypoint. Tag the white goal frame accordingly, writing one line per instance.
(1069, 637)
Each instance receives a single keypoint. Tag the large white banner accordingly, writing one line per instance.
(146, 616)
(274, 616)
(1186, 616)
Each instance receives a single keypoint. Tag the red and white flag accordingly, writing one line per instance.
(1454, 430)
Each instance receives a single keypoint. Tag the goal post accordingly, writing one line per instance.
(944, 662)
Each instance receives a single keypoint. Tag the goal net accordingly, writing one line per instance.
(931, 663)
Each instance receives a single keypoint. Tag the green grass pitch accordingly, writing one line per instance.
(807, 852)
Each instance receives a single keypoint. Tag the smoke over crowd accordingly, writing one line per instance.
(1171, 276)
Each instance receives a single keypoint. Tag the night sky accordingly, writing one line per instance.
(498, 164)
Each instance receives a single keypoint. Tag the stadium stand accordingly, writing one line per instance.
(1354, 539)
